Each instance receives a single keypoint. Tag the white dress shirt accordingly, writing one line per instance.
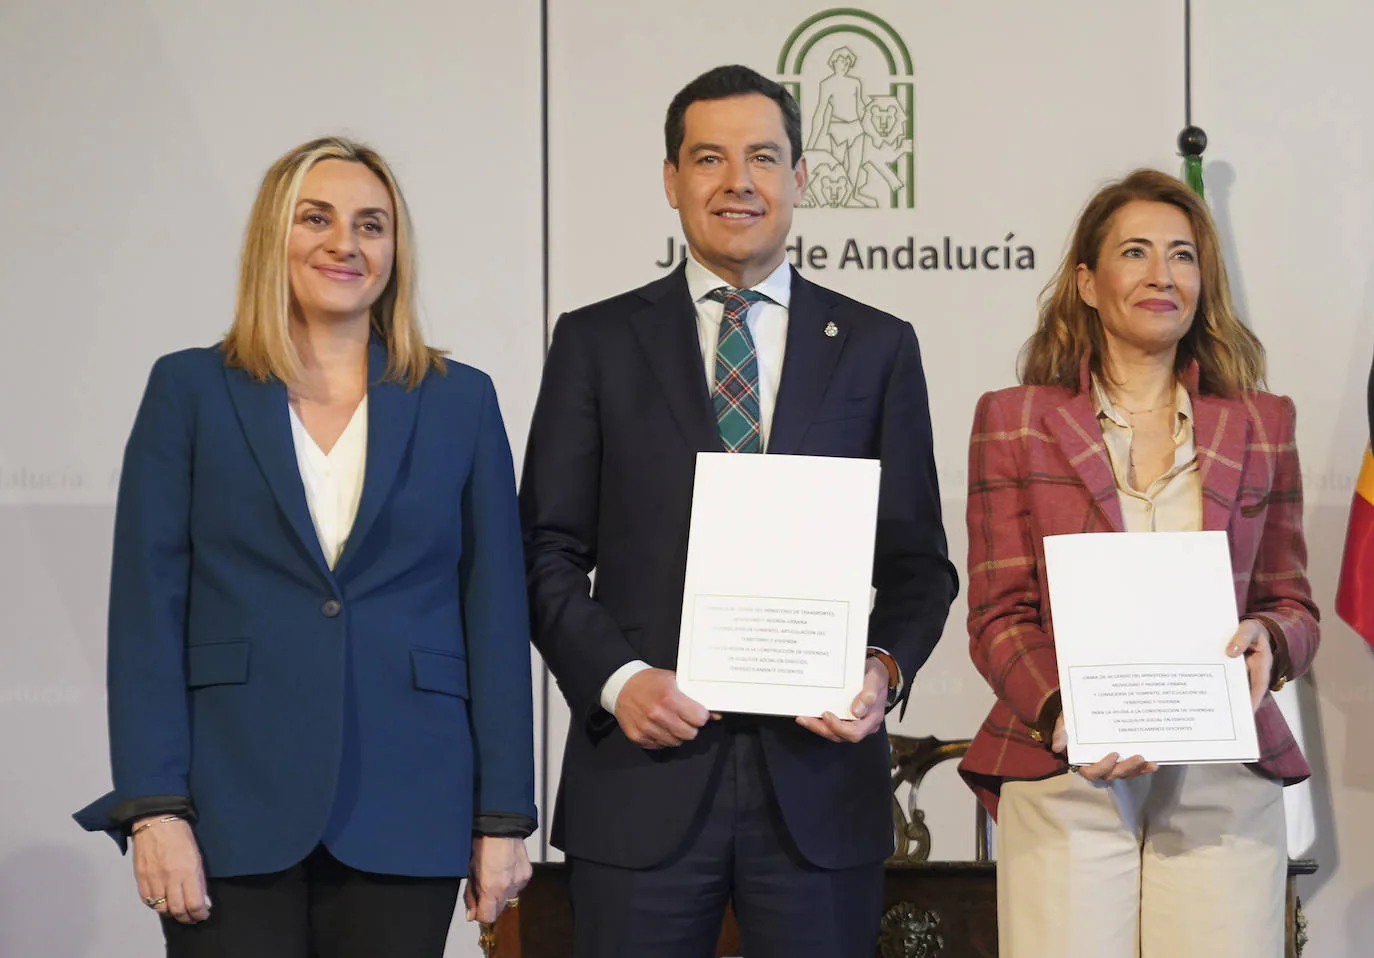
(767, 322)
(333, 481)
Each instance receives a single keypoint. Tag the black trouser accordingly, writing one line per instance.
(740, 851)
(320, 908)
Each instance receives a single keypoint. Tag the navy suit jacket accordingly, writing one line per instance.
(374, 707)
(622, 413)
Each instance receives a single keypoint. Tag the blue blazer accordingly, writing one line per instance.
(374, 708)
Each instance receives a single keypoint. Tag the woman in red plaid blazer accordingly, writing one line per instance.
(1140, 410)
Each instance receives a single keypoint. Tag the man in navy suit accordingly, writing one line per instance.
(665, 811)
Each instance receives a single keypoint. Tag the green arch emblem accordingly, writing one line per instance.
(852, 74)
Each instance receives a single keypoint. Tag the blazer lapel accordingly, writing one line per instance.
(809, 359)
(266, 422)
(667, 333)
(1075, 428)
(1221, 431)
(391, 412)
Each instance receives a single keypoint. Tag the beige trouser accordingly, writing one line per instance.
(1189, 862)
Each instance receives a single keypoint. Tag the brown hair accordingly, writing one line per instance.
(259, 340)
(1230, 357)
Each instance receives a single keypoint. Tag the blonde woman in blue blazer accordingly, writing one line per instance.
(319, 686)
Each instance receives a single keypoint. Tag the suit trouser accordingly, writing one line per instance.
(739, 851)
(320, 908)
(1189, 862)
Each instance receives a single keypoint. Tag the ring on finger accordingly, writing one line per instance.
(154, 902)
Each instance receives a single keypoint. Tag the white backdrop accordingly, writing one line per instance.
(135, 133)
(1284, 94)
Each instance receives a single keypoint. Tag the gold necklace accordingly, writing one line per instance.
(1140, 412)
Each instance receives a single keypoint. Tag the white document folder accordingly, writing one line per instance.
(778, 588)
(1141, 625)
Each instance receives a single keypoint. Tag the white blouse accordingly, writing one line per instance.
(1173, 503)
(333, 481)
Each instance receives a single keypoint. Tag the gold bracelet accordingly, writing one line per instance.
(168, 818)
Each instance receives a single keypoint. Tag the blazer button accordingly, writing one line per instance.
(331, 608)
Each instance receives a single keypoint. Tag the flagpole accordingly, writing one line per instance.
(1192, 141)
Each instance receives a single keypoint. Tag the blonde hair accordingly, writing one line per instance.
(259, 341)
(1229, 356)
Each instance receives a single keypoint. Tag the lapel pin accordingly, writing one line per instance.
(831, 329)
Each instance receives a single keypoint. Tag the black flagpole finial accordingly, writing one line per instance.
(1192, 141)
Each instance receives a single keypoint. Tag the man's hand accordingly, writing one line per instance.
(653, 713)
(868, 714)
(168, 869)
(499, 869)
(1252, 641)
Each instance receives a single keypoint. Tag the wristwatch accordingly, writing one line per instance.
(894, 673)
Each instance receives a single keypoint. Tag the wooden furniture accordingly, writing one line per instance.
(930, 909)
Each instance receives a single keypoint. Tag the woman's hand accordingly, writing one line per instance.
(1113, 768)
(500, 868)
(1059, 742)
(171, 879)
(1252, 640)
(1109, 769)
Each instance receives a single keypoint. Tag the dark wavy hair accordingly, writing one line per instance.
(719, 84)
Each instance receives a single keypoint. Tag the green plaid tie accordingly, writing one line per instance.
(736, 392)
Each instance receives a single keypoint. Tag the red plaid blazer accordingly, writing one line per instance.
(1038, 467)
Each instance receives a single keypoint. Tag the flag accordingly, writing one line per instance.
(1355, 591)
